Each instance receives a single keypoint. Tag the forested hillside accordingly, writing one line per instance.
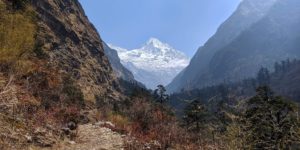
(239, 111)
(283, 80)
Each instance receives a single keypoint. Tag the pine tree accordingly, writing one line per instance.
(270, 121)
(277, 67)
(160, 94)
(263, 77)
(195, 115)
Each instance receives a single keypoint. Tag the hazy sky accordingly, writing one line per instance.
(184, 24)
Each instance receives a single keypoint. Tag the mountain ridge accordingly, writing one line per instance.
(214, 62)
(119, 70)
(154, 63)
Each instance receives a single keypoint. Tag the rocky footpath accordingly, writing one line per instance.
(96, 137)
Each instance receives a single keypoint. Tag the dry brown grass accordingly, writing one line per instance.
(12, 122)
(21, 116)
(17, 37)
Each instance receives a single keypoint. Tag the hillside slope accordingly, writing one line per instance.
(52, 68)
(258, 34)
(274, 38)
(74, 47)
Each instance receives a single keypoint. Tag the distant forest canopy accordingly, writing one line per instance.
(279, 80)
(255, 113)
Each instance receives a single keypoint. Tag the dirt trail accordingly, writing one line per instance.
(94, 137)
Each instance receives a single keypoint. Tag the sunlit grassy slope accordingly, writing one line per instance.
(17, 35)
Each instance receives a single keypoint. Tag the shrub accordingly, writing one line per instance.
(270, 121)
(38, 50)
(74, 94)
(19, 4)
(118, 120)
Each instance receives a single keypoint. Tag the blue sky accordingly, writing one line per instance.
(184, 24)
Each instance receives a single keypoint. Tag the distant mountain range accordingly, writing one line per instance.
(257, 34)
(154, 63)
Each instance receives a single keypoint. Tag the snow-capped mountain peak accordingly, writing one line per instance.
(154, 63)
(154, 42)
(161, 49)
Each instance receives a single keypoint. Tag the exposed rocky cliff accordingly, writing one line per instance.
(74, 47)
(119, 70)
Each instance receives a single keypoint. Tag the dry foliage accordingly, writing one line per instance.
(152, 125)
(17, 37)
(22, 115)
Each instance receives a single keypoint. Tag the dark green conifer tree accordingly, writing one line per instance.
(270, 121)
(263, 77)
(195, 116)
(160, 94)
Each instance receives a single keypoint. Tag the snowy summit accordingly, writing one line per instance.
(154, 63)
